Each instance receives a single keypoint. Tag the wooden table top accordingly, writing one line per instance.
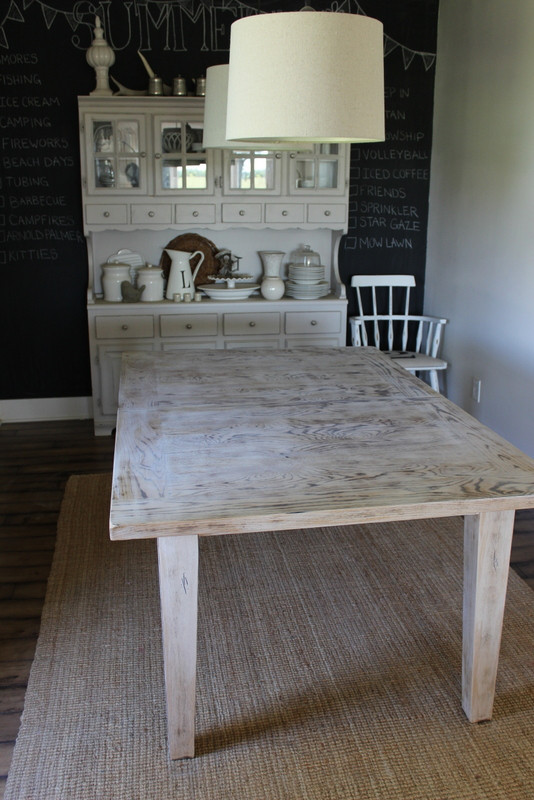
(229, 441)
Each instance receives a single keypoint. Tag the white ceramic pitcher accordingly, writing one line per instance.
(181, 280)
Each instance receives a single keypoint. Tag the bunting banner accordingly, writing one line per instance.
(160, 12)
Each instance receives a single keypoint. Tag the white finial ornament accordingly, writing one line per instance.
(101, 57)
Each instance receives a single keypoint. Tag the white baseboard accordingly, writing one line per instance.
(47, 408)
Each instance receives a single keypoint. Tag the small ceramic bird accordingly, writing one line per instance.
(129, 293)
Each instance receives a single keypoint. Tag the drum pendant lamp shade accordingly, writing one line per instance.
(215, 116)
(215, 109)
(306, 76)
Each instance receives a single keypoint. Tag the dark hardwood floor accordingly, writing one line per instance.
(36, 460)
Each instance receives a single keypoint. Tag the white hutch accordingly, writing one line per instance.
(146, 179)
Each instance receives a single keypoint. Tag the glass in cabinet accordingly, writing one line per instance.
(181, 163)
(116, 153)
(251, 172)
(320, 172)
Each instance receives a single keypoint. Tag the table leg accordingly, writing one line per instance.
(487, 545)
(178, 582)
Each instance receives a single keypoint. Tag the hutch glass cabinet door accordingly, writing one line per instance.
(180, 162)
(320, 172)
(116, 154)
(251, 172)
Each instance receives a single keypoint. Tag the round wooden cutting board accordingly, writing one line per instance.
(189, 242)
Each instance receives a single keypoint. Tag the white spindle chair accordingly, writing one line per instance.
(389, 325)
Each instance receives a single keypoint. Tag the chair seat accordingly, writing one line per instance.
(416, 361)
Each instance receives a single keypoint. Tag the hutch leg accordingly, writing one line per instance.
(178, 586)
(487, 545)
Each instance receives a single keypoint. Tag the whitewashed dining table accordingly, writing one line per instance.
(234, 441)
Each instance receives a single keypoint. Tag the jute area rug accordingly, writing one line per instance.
(329, 668)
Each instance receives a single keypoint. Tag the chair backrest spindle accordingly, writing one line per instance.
(406, 315)
(390, 320)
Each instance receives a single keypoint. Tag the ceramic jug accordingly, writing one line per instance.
(181, 280)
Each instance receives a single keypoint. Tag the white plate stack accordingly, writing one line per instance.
(306, 282)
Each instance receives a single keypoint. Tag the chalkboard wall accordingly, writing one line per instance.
(43, 68)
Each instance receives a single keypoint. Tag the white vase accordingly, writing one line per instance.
(272, 286)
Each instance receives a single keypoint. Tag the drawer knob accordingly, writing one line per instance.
(143, 154)
(241, 213)
(157, 155)
(284, 213)
(195, 213)
(278, 155)
(105, 214)
(124, 327)
(188, 326)
(252, 324)
(327, 213)
(151, 214)
(313, 322)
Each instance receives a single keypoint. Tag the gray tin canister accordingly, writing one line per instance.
(179, 86)
(155, 86)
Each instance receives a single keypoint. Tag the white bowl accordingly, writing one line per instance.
(222, 292)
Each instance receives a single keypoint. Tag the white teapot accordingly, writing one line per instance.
(181, 280)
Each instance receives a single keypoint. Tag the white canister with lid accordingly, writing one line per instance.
(112, 277)
(151, 277)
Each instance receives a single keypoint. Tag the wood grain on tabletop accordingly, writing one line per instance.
(261, 440)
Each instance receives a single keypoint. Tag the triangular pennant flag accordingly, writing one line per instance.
(407, 56)
(389, 45)
(49, 15)
(72, 21)
(428, 60)
(3, 39)
(14, 13)
(27, 4)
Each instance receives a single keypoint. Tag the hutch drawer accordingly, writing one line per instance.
(101, 214)
(188, 325)
(313, 322)
(124, 327)
(195, 214)
(241, 212)
(251, 324)
(327, 213)
(157, 214)
(284, 212)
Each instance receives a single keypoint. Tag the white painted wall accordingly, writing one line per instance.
(480, 263)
